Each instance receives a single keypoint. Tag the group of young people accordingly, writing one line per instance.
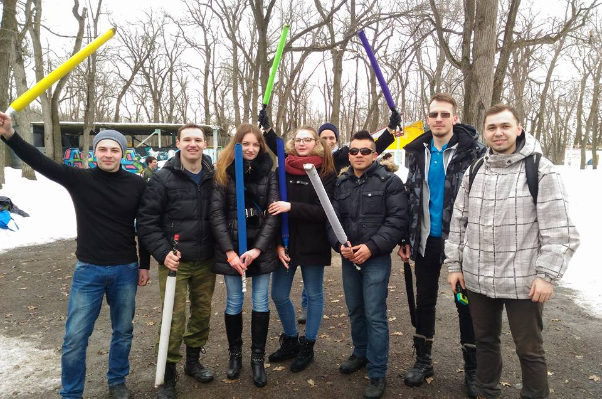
(464, 205)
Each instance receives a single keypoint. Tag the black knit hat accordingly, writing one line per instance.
(329, 126)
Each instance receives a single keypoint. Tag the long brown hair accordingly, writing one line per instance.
(227, 156)
(321, 149)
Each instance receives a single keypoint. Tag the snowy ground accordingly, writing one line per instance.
(26, 370)
(52, 218)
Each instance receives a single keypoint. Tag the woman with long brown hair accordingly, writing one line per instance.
(261, 189)
(308, 246)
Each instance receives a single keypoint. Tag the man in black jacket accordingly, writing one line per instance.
(371, 204)
(106, 200)
(437, 161)
(176, 201)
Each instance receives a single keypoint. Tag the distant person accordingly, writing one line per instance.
(437, 161)
(372, 206)
(261, 258)
(176, 201)
(151, 167)
(106, 200)
(511, 239)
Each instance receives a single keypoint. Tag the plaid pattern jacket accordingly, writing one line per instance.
(499, 238)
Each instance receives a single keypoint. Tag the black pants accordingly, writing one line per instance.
(526, 325)
(428, 270)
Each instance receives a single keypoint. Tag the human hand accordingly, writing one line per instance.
(361, 254)
(284, 258)
(263, 119)
(346, 250)
(6, 126)
(541, 290)
(235, 262)
(248, 257)
(279, 207)
(143, 277)
(394, 120)
(454, 278)
(404, 252)
(172, 261)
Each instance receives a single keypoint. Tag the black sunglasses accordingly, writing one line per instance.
(363, 151)
(444, 115)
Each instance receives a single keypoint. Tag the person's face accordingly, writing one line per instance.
(501, 132)
(191, 144)
(153, 165)
(108, 155)
(329, 137)
(250, 146)
(441, 118)
(360, 162)
(304, 142)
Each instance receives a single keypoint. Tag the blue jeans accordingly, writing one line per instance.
(366, 294)
(313, 279)
(304, 299)
(235, 297)
(90, 284)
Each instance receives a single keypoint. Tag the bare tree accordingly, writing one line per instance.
(7, 38)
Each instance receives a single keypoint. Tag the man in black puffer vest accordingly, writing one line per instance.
(437, 161)
(176, 201)
(372, 205)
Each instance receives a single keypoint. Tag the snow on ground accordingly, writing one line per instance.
(26, 370)
(53, 218)
(584, 273)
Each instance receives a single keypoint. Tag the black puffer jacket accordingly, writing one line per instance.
(373, 209)
(466, 148)
(174, 204)
(261, 190)
(308, 242)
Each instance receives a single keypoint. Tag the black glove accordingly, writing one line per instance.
(394, 120)
(263, 119)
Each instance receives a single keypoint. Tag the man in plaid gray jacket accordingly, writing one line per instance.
(508, 251)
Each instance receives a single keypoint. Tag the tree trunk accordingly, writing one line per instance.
(24, 117)
(8, 31)
(479, 77)
(546, 87)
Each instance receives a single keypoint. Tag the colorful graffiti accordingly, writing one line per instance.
(132, 162)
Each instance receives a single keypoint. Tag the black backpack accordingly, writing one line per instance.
(531, 170)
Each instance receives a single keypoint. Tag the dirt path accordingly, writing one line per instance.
(34, 287)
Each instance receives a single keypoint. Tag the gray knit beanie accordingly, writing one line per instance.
(111, 135)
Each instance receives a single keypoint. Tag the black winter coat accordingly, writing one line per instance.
(373, 209)
(174, 204)
(468, 148)
(308, 242)
(261, 190)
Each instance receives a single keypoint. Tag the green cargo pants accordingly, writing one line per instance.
(196, 280)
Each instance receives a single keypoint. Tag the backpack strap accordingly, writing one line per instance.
(474, 168)
(532, 172)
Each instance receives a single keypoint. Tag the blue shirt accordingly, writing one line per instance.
(436, 188)
(196, 177)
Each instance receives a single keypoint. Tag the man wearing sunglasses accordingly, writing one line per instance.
(372, 205)
(437, 161)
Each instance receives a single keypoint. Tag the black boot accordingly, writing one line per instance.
(259, 334)
(305, 356)
(194, 368)
(470, 369)
(234, 332)
(423, 367)
(168, 389)
(289, 347)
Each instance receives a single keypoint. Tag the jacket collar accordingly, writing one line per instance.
(526, 145)
(463, 138)
(175, 164)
